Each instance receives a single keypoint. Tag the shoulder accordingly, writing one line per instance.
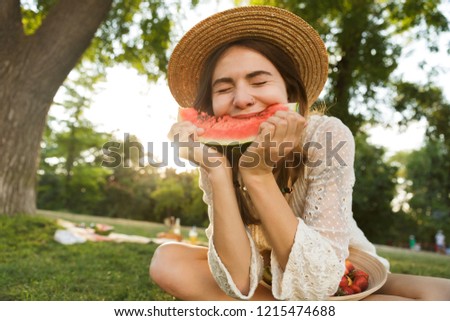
(328, 138)
(320, 124)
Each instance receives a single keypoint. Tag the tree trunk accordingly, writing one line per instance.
(70, 159)
(353, 24)
(32, 68)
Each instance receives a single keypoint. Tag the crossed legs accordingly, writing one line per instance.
(182, 270)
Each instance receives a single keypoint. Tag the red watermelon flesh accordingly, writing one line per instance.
(228, 130)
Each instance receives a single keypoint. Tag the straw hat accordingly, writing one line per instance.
(278, 26)
(372, 266)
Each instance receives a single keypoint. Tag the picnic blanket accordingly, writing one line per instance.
(71, 233)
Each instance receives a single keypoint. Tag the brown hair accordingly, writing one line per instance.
(287, 171)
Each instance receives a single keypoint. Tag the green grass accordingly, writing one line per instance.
(35, 267)
(419, 263)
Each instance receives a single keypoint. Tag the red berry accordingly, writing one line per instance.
(344, 281)
(361, 282)
(360, 273)
(349, 267)
(347, 290)
(355, 288)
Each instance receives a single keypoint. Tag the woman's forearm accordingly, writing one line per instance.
(229, 235)
(277, 218)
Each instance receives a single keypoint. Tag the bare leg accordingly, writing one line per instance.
(413, 287)
(182, 270)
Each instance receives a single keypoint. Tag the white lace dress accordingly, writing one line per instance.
(326, 227)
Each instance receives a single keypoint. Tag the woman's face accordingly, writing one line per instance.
(245, 82)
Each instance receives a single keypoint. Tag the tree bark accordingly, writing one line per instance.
(32, 68)
(344, 79)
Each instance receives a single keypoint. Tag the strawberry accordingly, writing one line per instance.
(346, 290)
(361, 282)
(360, 273)
(344, 282)
(355, 288)
(349, 267)
(353, 281)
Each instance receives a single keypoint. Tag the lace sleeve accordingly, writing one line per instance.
(218, 269)
(316, 261)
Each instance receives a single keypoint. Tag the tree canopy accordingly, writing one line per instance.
(364, 41)
(42, 41)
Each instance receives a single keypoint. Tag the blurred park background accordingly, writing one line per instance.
(60, 134)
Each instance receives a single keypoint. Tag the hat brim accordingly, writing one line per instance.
(278, 26)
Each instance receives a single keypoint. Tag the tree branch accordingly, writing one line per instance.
(62, 38)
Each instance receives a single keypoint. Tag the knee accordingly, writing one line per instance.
(439, 290)
(445, 290)
(163, 260)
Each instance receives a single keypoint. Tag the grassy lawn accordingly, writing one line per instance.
(419, 263)
(35, 267)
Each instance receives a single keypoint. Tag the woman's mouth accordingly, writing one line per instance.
(247, 115)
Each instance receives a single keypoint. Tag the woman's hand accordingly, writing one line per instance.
(277, 137)
(184, 136)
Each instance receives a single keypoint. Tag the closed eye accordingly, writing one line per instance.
(222, 85)
(259, 83)
(222, 90)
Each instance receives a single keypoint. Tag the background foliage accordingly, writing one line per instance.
(365, 40)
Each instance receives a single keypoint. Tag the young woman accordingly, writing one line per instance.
(283, 207)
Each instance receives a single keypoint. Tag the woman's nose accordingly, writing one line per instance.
(243, 99)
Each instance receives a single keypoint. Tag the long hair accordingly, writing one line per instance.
(291, 167)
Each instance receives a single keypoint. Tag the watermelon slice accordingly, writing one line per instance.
(227, 130)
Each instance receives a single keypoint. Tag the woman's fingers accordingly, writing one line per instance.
(184, 136)
(281, 133)
(181, 131)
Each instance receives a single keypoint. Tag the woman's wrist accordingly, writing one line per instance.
(256, 179)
